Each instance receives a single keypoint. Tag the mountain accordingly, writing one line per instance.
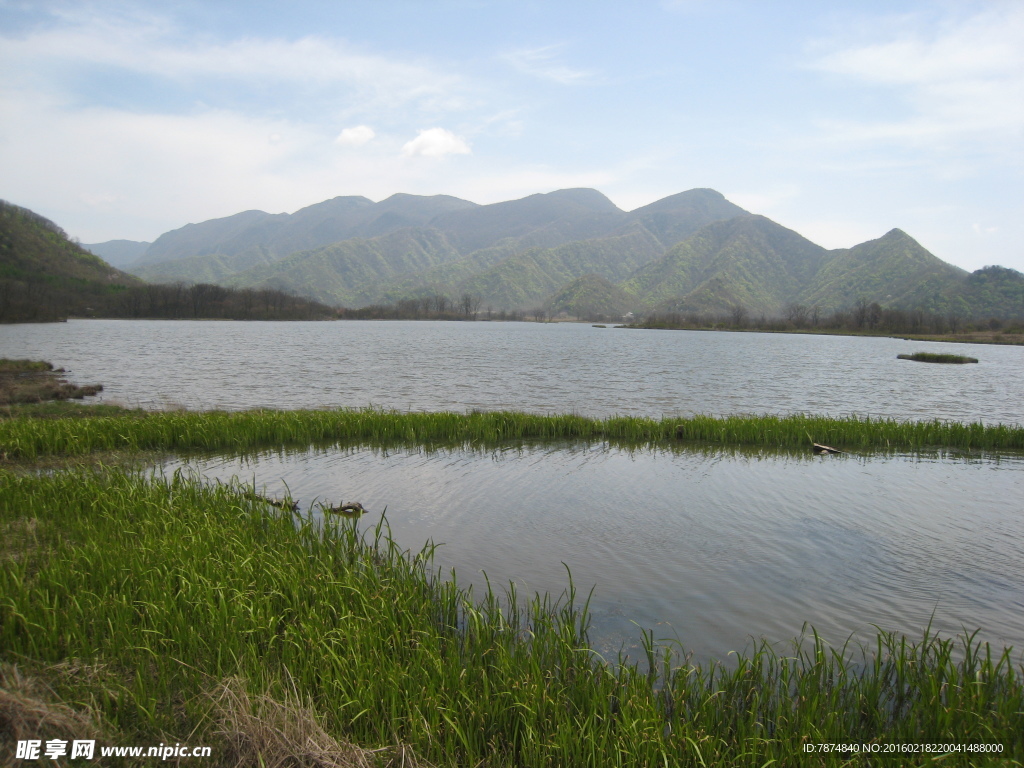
(118, 253)
(747, 260)
(43, 275)
(213, 236)
(511, 254)
(674, 218)
(752, 263)
(542, 220)
(693, 252)
(894, 270)
(253, 238)
(990, 292)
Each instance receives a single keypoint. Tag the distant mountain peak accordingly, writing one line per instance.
(586, 197)
(896, 234)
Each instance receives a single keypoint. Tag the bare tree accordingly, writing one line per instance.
(738, 315)
(797, 314)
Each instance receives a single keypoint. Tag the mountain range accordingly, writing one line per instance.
(572, 250)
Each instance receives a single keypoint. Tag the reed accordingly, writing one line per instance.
(167, 590)
(27, 438)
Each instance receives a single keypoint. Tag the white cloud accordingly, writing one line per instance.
(435, 142)
(154, 47)
(542, 62)
(355, 137)
(963, 82)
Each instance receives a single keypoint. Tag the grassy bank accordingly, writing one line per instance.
(27, 438)
(173, 611)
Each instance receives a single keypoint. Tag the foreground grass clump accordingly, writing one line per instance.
(167, 609)
(936, 357)
(26, 438)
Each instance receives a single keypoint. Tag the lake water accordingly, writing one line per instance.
(545, 368)
(710, 548)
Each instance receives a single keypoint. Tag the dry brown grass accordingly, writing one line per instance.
(29, 710)
(266, 733)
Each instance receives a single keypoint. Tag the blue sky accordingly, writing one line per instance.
(840, 120)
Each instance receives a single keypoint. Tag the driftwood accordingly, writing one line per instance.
(349, 509)
(824, 450)
(279, 503)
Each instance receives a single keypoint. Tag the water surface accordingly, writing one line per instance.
(542, 368)
(709, 548)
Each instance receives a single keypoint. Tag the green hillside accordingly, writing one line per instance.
(675, 218)
(204, 268)
(990, 292)
(591, 297)
(44, 276)
(527, 279)
(550, 219)
(349, 273)
(748, 260)
(894, 270)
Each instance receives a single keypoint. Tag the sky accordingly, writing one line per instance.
(840, 120)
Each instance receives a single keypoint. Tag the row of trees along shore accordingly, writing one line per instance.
(863, 317)
(37, 301)
(180, 301)
(438, 306)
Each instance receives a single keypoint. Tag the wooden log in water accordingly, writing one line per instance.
(349, 509)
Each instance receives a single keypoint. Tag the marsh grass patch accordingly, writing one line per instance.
(36, 381)
(937, 357)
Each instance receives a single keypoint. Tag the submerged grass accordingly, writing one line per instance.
(180, 595)
(27, 438)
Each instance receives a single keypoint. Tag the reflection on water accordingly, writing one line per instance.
(710, 548)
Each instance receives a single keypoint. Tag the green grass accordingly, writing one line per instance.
(140, 598)
(7, 365)
(935, 357)
(29, 439)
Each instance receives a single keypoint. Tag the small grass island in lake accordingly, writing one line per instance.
(935, 357)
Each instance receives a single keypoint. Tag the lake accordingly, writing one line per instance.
(707, 547)
(543, 368)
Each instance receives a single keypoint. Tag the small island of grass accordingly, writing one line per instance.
(935, 357)
(36, 381)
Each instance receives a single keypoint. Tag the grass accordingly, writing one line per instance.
(30, 439)
(936, 357)
(172, 610)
